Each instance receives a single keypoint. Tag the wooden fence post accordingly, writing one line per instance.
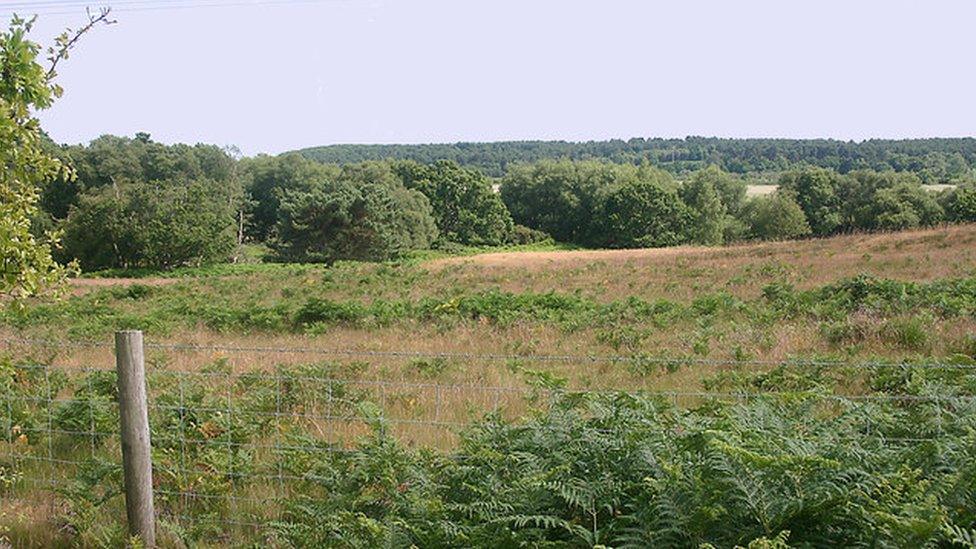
(134, 419)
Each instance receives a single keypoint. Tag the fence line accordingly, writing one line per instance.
(235, 444)
(518, 391)
(495, 357)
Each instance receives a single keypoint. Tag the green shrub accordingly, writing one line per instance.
(777, 217)
(317, 310)
(638, 473)
(845, 332)
(522, 235)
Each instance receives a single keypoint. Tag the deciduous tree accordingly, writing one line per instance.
(26, 265)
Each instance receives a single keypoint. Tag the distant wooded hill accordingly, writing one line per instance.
(936, 160)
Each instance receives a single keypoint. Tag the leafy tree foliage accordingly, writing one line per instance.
(776, 217)
(934, 160)
(554, 197)
(731, 189)
(162, 224)
(960, 204)
(858, 194)
(138, 203)
(465, 206)
(586, 202)
(862, 200)
(817, 191)
(903, 206)
(26, 265)
(365, 213)
(644, 213)
(111, 160)
(708, 214)
(266, 178)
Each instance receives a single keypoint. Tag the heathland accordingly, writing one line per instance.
(569, 397)
(609, 345)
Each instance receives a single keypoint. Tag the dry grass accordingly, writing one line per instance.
(675, 273)
(686, 272)
(678, 274)
(428, 401)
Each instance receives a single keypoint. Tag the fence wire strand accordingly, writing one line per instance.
(204, 422)
(498, 357)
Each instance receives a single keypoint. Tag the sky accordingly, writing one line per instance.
(276, 75)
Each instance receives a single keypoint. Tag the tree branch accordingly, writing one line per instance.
(66, 41)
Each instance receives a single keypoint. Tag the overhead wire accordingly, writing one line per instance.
(72, 7)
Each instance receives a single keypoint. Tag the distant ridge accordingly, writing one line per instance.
(934, 159)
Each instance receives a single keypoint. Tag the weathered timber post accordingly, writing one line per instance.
(136, 450)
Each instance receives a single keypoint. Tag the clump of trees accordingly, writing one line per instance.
(364, 213)
(604, 205)
(373, 210)
(618, 205)
(775, 217)
(137, 203)
(597, 204)
(111, 160)
(466, 208)
(267, 178)
(643, 213)
(161, 224)
(960, 204)
(938, 160)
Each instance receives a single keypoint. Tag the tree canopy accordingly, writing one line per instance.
(110, 160)
(775, 217)
(365, 213)
(466, 208)
(27, 267)
(266, 178)
(960, 204)
(303, 210)
(937, 160)
(162, 224)
(139, 203)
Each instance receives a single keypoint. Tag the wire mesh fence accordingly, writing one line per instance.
(229, 445)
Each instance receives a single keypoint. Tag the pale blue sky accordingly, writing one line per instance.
(270, 78)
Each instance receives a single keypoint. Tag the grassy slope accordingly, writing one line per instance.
(683, 302)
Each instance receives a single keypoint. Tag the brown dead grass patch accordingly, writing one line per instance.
(685, 272)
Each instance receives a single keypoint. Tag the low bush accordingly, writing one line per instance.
(522, 235)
